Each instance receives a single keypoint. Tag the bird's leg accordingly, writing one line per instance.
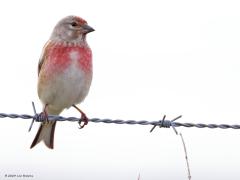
(83, 119)
(44, 115)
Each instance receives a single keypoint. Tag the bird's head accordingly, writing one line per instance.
(71, 29)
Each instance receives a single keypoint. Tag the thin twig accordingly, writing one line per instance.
(139, 176)
(186, 156)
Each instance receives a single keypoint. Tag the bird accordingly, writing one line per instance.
(64, 74)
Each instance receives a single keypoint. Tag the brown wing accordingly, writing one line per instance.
(43, 56)
(40, 64)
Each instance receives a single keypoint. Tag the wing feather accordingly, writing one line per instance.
(43, 56)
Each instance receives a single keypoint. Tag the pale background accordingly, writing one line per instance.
(150, 58)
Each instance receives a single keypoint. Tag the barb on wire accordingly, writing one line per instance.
(167, 124)
(33, 119)
(162, 123)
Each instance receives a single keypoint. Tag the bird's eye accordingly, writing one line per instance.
(73, 24)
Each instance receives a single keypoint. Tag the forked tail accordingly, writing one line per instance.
(46, 134)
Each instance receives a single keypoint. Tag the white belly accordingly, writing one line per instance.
(67, 88)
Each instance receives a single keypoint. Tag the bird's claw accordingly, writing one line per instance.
(83, 119)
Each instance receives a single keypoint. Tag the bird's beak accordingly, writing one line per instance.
(87, 29)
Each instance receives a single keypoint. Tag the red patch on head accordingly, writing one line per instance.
(80, 20)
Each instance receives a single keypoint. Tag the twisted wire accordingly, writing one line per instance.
(163, 123)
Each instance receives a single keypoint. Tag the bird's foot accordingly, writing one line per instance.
(43, 116)
(83, 119)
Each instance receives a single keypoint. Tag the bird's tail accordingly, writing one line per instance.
(46, 134)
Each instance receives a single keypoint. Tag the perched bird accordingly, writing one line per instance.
(64, 73)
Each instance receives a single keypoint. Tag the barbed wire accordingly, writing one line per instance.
(161, 123)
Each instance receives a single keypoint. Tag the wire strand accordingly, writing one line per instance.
(162, 123)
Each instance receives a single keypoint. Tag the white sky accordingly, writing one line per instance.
(150, 58)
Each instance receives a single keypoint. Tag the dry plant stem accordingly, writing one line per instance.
(186, 157)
